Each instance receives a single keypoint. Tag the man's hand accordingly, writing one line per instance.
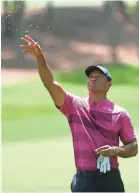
(106, 150)
(31, 47)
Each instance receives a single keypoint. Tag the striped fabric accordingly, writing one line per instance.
(93, 126)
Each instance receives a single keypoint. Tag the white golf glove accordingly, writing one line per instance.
(103, 164)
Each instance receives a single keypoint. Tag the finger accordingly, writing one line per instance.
(103, 152)
(102, 148)
(106, 153)
(30, 39)
(29, 43)
(25, 40)
(25, 46)
(28, 51)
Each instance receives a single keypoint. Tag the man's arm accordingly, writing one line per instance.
(127, 136)
(56, 91)
(126, 151)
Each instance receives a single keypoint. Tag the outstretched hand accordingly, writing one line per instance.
(31, 47)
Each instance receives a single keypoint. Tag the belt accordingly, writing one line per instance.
(95, 173)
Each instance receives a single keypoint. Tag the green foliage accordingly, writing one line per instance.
(122, 75)
(133, 8)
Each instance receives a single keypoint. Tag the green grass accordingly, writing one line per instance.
(28, 112)
(36, 138)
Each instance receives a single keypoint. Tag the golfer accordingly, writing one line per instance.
(96, 125)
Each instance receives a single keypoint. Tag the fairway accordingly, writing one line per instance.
(37, 152)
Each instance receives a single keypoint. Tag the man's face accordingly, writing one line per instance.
(98, 82)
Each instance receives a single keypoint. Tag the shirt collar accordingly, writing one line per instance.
(99, 104)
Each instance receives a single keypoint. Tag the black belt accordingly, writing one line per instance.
(94, 173)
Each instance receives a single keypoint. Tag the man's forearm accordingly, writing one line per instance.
(126, 151)
(44, 71)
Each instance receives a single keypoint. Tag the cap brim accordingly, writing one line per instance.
(91, 69)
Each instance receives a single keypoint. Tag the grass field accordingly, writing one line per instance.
(37, 147)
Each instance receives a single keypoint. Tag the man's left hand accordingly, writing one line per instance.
(107, 150)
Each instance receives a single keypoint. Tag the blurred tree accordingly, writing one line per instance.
(19, 27)
(123, 8)
(134, 10)
(50, 14)
(7, 20)
(115, 13)
(19, 7)
(137, 24)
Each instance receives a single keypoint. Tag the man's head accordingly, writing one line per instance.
(99, 79)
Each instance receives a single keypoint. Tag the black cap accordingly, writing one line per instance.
(92, 68)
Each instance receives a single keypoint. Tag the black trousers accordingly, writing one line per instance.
(90, 181)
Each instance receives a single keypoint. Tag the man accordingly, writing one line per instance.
(96, 125)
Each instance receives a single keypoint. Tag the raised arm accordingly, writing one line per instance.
(56, 91)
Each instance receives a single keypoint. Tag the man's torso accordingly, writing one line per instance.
(93, 126)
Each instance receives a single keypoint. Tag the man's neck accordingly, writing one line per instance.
(96, 98)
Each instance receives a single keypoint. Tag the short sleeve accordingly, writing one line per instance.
(127, 133)
(68, 104)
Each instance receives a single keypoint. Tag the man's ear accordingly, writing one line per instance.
(109, 85)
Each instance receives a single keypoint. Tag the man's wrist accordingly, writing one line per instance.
(116, 150)
(40, 57)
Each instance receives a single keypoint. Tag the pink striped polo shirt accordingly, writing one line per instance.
(93, 126)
